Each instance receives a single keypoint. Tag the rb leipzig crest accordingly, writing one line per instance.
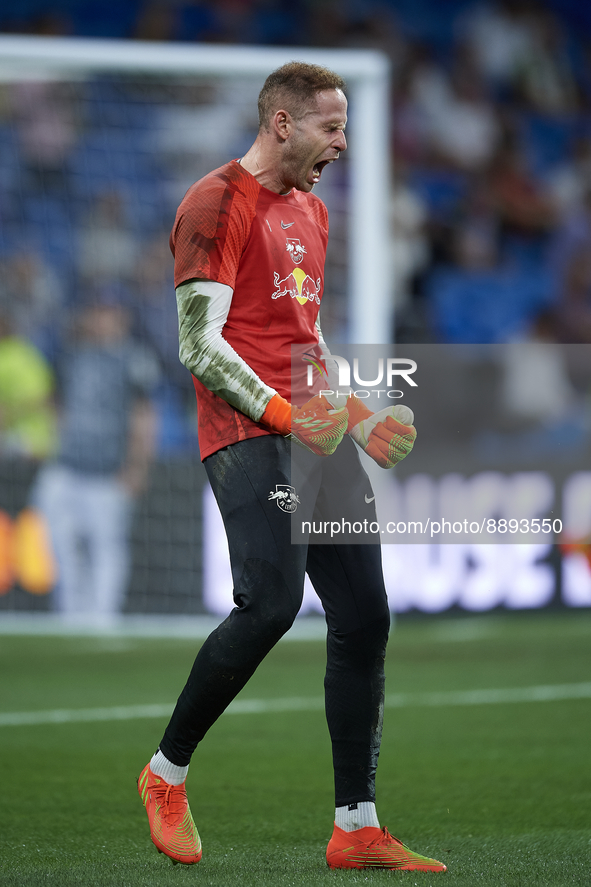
(298, 285)
(286, 497)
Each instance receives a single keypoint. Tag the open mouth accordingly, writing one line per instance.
(317, 169)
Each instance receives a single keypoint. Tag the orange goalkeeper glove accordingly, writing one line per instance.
(313, 426)
(381, 435)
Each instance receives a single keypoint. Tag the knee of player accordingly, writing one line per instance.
(377, 631)
(264, 591)
(364, 643)
(381, 628)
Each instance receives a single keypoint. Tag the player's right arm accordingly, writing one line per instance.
(203, 307)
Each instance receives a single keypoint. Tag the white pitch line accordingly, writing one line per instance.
(544, 693)
(77, 715)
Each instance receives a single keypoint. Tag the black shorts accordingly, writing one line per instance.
(268, 495)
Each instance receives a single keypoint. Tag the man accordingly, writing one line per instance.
(27, 418)
(106, 445)
(246, 239)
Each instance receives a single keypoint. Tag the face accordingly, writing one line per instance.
(314, 141)
(105, 324)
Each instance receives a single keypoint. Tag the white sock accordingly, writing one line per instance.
(354, 816)
(166, 770)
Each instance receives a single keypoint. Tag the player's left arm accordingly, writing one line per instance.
(382, 435)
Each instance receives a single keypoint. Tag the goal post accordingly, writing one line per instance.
(369, 291)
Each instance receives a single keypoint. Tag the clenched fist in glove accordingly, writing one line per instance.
(381, 435)
(314, 426)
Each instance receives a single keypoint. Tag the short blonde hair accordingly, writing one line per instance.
(294, 87)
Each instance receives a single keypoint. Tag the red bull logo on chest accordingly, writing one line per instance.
(298, 285)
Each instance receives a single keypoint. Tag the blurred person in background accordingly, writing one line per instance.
(155, 325)
(571, 239)
(523, 203)
(409, 252)
(106, 445)
(501, 36)
(47, 129)
(27, 417)
(155, 320)
(544, 77)
(36, 295)
(572, 318)
(108, 246)
(462, 122)
(569, 180)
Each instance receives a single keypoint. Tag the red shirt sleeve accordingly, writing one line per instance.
(212, 226)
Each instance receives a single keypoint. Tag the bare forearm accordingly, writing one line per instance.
(141, 446)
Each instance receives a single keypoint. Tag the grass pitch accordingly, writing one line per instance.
(501, 792)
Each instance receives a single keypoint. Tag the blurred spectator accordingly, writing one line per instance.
(51, 23)
(581, 50)
(536, 384)
(233, 22)
(479, 299)
(522, 50)
(429, 85)
(192, 20)
(33, 292)
(156, 21)
(210, 125)
(156, 325)
(18, 19)
(409, 120)
(409, 248)
(461, 122)
(479, 216)
(105, 449)
(47, 130)
(156, 319)
(571, 240)
(373, 26)
(544, 76)
(500, 35)
(108, 245)
(229, 21)
(27, 418)
(569, 181)
(573, 310)
(524, 205)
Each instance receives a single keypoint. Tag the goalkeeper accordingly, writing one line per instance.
(249, 242)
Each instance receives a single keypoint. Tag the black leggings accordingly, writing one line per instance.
(268, 572)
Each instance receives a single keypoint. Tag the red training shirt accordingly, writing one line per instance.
(270, 249)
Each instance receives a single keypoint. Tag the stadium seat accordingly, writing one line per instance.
(485, 306)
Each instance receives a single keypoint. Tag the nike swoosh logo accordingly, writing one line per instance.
(368, 499)
(288, 225)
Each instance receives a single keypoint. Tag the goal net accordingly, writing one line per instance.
(99, 140)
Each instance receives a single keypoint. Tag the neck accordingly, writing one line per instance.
(264, 168)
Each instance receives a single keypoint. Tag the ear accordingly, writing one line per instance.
(282, 124)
